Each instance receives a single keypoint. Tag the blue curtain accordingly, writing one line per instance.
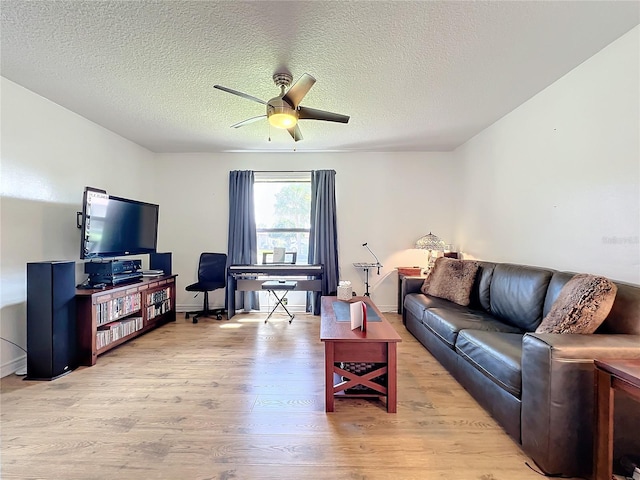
(242, 249)
(323, 238)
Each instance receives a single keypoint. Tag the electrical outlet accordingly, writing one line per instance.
(285, 301)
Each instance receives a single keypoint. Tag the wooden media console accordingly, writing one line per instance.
(109, 317)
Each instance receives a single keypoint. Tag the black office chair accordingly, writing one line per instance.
(212, 275)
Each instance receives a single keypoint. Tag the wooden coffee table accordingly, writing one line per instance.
(376, 345)
(611, 375)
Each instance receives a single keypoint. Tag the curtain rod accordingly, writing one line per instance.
(283, 171)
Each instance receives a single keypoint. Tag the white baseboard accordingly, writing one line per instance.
(294, 308)
(263, 308)
(15, 365)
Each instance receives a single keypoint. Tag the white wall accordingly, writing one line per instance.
(386, 199)
(48, 155)
(556, 182)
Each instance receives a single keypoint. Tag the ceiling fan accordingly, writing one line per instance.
(285, 110)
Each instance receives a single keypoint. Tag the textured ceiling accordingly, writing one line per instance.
(413, 76)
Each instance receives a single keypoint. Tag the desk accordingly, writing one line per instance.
(611, 375)
(243, 278)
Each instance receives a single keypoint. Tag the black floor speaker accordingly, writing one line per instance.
(160, 261)
(51, 320)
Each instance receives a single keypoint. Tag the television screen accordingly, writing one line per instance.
(114, 226)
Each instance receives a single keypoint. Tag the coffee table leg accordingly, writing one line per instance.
(392, 383)
(603, 454)
(328, 375)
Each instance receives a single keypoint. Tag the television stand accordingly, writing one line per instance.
(112, 315)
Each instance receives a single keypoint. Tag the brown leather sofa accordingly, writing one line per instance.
(539, 387)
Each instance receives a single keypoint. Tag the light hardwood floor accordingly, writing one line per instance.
(240, 399)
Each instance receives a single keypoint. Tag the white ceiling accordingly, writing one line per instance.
(413, 76)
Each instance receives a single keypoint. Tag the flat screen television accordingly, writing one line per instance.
(114, 226)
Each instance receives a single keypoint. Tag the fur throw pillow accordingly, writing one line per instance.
(582, 305)
(451, 279)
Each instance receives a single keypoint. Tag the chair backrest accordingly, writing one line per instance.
(212, 267)
(289, 257)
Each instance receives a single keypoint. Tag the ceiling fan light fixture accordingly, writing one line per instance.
(280, 114)
(283, 120)
(284, 111)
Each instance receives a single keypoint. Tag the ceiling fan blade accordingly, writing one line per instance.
(307, 113)
(240, 94)
(248, 121)
(295, 133)
(299, 89)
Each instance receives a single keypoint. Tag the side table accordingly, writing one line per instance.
(610, 375)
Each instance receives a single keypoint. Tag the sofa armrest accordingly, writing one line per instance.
(411, 285)
(408, 285)
(558, 391)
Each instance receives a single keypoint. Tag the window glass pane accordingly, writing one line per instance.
(282, 217)
(282, 205)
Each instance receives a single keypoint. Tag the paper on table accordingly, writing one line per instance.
(278, 255)
(358, 311)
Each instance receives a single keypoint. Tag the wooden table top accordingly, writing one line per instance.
(627, 370)
(331, 329)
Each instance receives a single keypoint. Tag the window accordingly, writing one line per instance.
(283, 207)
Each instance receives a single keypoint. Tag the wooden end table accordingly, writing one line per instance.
(611, 375)
(375, 345)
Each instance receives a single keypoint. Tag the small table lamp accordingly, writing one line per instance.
(432, 243)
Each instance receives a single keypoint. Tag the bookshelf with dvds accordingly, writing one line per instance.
(108, 318)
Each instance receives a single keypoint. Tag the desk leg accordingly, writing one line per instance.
(392, 378)
(316, 303)
(603, 451)
(328, 375)
(231, 296)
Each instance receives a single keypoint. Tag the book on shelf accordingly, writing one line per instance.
(118, 307)
(107, 334)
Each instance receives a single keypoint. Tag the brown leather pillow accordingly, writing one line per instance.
(451, 279)
(582, 305)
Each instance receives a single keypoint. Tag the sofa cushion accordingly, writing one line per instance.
(517, 294)
(582, 305)
(497, 355)
(417, 303)
(479, 297)
(446, 323)
(624, 317)
(558, 280)
(451, 279)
